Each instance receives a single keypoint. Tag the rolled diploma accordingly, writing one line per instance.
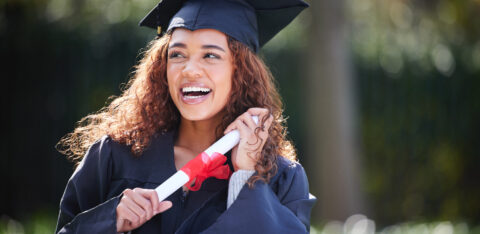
(177, 180)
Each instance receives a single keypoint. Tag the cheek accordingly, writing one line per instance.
(229, 81)
(169, 74)
(171, 79)
(226, 86)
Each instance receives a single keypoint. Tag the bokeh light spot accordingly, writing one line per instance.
(442, 59)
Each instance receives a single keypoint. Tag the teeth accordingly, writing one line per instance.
(195, 89)
(191, 97)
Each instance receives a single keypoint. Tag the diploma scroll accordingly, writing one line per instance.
(176, 181)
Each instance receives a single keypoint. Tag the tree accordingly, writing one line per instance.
(332, 143)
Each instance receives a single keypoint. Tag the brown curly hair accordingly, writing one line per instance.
(145, 108)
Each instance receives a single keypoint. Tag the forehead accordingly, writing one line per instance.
(199, 36)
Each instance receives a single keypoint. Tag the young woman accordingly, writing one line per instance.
(194, 84)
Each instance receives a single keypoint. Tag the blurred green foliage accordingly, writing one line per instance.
(38, 223)
(360, 224)
(417, 66)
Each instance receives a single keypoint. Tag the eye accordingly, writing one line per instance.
(211, 56)
(175, 54)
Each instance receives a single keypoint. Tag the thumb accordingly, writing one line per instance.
(120, 224)
(163, 206)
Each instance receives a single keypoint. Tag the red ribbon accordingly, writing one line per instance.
(204, 166)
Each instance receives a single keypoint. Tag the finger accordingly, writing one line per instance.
(134, 207)
(244, 130)
(124, 213)
(260, 112)
(143, 203)
(120, 223)
(152, 196)
(230, 127)
(247, 119)
(164, 205)
(262, 115)
(268, 123)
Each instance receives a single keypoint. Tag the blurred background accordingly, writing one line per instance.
(383, 100)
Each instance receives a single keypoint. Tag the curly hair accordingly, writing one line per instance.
(145, 108)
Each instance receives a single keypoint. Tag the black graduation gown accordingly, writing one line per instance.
(93, 192)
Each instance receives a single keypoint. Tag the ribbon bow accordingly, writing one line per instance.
(204, 166)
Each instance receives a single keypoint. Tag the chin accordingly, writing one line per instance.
(199, 115)
(192, 115)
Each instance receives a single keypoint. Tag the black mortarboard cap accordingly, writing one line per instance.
(252, 22)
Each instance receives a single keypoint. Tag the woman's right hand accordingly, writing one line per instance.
(137, 206)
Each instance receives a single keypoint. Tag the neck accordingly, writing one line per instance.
(196, 136)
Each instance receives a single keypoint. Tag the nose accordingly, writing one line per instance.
(192, 70)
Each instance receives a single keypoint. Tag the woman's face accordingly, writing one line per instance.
(199, 72)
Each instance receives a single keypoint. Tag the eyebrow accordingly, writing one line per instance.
(182, 45)
(177, 44)
(213, 47)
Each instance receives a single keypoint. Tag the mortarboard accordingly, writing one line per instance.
(252, 22)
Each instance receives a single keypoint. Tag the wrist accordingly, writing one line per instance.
(250, 167)
(244, 160)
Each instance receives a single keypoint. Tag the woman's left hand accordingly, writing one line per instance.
(248, 151)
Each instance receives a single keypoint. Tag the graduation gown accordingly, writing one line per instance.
(93, 192)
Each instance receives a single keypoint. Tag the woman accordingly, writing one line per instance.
(199, 81)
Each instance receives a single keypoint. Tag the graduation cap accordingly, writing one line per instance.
(252, 22)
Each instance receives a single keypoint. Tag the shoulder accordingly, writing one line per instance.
(107, 148)
(288, 168)
(153, 165)
(287, 164)
(100, 150)
(290, 179)
(101, 147)
(99, 153)
(113, 161)
(105, 142)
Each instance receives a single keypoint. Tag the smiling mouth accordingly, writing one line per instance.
(194, 92)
